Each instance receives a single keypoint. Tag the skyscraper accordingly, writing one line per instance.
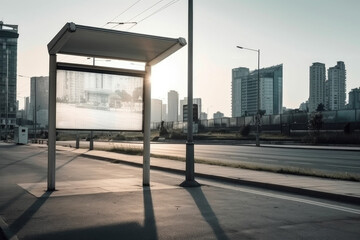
(238, 97)
(354, 98)
(336, 87)
(39, 100)
(183, 102)
(8, 72)
(173, 106)
(317, 86)
(156, 110)
(245, 95)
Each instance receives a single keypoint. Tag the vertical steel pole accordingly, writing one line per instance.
(7, 95)
(258, 104)
(77, 145)
(190, 171)
(35, 119)
(52, 124)
(91, 143)
(147, 116)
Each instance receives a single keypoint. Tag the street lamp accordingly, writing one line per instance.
(257, 118)
(190, 161)
(7, 94)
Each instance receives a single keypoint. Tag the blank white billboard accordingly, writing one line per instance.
(99, 101)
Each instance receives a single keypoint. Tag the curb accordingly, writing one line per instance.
(310, 148)
(269, 186)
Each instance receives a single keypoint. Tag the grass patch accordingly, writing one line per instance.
(130, 150)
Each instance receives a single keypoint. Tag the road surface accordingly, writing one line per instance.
(332, 161)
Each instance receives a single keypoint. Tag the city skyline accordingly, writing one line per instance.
(296, 34)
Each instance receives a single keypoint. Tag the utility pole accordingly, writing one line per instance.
(35, 119)
(7, 94)
(190, 162)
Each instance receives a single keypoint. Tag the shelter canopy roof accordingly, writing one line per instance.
(105, 43)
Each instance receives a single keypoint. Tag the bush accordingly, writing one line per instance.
(119, 137)
(245, 131)
(348, 129)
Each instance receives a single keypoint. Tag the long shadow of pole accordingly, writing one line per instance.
(207, 212)
(21, 221)
(149, 220)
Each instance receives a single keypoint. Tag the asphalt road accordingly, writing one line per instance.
(333, 161)
(127, 211)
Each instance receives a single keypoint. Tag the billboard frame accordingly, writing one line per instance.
(104, 70)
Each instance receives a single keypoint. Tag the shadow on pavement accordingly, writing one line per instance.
(206, 211)
(131, 230)
(126, 230)
(21, 221)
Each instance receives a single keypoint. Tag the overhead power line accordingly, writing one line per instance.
(146, 10)
(157, 11)
(122, 12)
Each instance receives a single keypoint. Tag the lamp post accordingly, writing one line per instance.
(7, 95)
(258, 96)
(190, 162)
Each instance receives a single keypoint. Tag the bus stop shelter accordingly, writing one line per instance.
(79, 40)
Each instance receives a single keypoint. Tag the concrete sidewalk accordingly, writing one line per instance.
(346, 191)
(104, 200)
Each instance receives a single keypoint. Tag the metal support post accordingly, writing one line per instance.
(91, 147)
(190, 168)
(52, 125)
(258, 116)
(77, 145)
(147, 116)
(7, 96)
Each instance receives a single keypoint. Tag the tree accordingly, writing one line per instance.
(315, 125)
(137, 94)
(125, 96)
(320, 108)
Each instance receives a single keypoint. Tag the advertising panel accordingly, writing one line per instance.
(88, 100)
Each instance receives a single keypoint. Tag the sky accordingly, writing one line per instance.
(293, 33)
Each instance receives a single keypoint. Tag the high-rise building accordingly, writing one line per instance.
(203, 116)
(317, 86)
(336, 87)
(183, 102)
(164, 113)
(39, 100)
(8, 73)
(218, 114)
(245, 91)
(156, 110)
(354, 98)
(27, 108)
(173, 106)
(238, 90)
(304, 106)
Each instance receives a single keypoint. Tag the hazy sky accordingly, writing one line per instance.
(295, 33)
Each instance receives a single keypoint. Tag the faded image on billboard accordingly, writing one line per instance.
(99, 101)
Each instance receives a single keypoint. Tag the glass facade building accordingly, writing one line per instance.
(244, 99)
(8, 74)
(336, 87)
(317, 86)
